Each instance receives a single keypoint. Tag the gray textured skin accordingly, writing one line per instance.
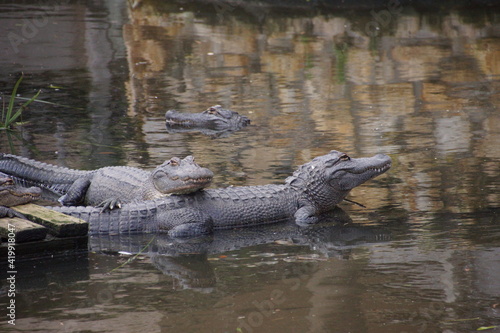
(109, 186)
(186, 259)
(12, 195)
(316, 187)
(335, 231)
(215, 121)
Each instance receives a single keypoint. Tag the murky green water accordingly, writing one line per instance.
(420, 84)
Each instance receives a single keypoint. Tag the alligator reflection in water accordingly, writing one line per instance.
(187, 260)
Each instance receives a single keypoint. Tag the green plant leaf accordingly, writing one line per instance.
(51, 103)
(12, 98)
(21, 109)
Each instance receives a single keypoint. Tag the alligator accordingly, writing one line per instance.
(108, 187)
(314, 188)
(214, 122)
(12, 195)
(333, 233)
(186, 260)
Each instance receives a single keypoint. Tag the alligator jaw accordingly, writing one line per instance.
(362, 170)
(377, 170)
(180, 122)
(188, 120)
(13, 195)
(191, 185)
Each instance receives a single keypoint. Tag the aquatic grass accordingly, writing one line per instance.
(10, 142)
(9, 117)
(50, 103)
(484, 328)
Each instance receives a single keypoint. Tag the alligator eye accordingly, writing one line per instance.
(214, 109)
(174, 161)
(344, 157)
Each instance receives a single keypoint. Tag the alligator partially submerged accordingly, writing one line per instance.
(13, 195)
(186, 260)
(335, 231)
(316, 187)
(109, 187)
(215, 121)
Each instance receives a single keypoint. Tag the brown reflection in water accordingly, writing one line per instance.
(425, 93)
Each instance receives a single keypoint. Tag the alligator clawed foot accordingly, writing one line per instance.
(110, 204)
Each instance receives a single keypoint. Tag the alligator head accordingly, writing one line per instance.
(181, 176)
(214, 121)
(12, 195)
(327, 179)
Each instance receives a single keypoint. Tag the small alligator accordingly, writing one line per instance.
(109, 187)
(215, 121)
(316, 187)
(12, 195)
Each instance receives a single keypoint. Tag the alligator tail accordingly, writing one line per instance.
(126, 220)
(28, 172)
(149, 216)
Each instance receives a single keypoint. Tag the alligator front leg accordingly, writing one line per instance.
(185, 222)
(76, 193)
(306, 215)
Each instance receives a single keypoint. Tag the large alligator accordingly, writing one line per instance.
(334, 231)
(12, 195)
(314, 188)
(215, 121)
(109, 187)
(186, 259)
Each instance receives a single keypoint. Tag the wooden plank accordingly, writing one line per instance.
(50, 246)
(21, 230)
(59, 224)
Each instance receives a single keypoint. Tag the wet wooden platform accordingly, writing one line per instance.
(44, 233)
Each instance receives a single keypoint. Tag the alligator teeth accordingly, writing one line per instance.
(186, 123)
(200, 180)
(378, 170)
